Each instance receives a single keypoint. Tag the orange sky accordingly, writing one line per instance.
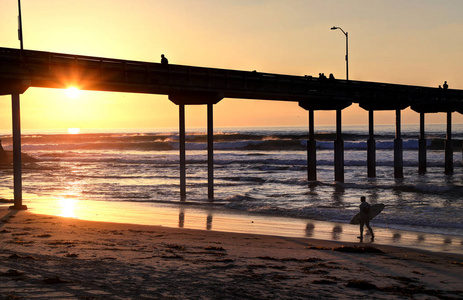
(415, 42)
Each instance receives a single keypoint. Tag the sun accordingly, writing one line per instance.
(73, 130)
(67, 207)
(73, 92)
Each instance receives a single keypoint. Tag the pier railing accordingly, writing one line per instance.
(57, 70)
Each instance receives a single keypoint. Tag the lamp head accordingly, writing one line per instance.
(334, 28)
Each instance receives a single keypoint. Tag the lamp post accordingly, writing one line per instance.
(20, 26)
(339, 143)
(347, 49)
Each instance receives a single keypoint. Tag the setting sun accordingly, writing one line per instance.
(73, 92)
(67, 207)
(73, 130)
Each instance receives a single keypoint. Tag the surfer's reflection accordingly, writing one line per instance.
(209, 222)
(337, 230)
(374, 197)
(309, 229)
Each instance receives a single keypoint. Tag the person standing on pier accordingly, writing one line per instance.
(164, 60)
(365, 218)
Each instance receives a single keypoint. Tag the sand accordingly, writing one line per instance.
(49, 257)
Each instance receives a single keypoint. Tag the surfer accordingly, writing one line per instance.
(364, 218)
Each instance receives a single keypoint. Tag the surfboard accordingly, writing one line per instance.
(375, 209)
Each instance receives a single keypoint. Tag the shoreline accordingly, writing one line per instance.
(216, 218)
(48, 256)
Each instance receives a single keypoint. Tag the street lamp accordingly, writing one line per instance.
(347, 50)
(20, 26)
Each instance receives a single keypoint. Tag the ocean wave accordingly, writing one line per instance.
(265, 165)
(258, 140)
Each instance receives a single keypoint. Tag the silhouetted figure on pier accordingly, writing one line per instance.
(364, 218)
(321, 76)
(331, 76)
(164, 60)
(446, 86)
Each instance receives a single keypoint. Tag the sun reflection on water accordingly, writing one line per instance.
(67, 207)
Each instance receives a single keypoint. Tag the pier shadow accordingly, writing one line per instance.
(337, 231)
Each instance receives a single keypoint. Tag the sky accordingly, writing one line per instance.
(415, 42)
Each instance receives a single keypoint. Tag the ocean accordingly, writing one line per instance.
(261, 172)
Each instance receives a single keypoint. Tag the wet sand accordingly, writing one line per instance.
(215, 217)
(46, 257)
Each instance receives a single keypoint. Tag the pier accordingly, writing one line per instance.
(190, 85)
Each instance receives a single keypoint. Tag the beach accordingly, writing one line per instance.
(44, 257)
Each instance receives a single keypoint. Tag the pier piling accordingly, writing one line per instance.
(338, 150)
(449, 146)
(311, 150)
(210, 152)
(398, 148)
(17, 172)
(371, 147)
(422, 147)
(197, 98)
(181, 109)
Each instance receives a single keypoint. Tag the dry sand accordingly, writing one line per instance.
(49, 257)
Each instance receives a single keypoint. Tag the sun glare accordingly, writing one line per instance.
(67, 207)
(73, 92)
(73, 130)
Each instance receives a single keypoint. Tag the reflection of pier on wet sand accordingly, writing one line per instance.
(216, 219)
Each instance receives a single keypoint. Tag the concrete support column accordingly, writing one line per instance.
(311, 150)
(398, 148)
(449, 146)
(371, 147)
(422, 147)
(197, 98)
(210, 152)
(181, 117)
(17, 172)
(338, 150)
